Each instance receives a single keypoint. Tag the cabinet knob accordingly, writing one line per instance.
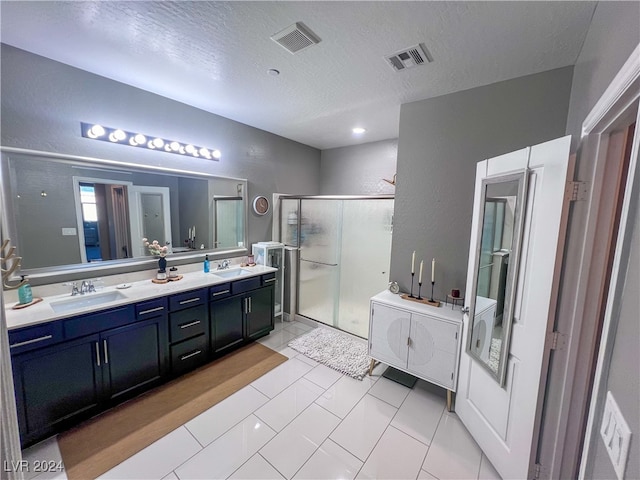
(465, 310)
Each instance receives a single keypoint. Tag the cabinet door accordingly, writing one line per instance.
(259, 308)
(56, 384)
(432, 350)
(133, 357)
(389, 335)
(226, 323)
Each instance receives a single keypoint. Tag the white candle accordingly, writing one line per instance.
(433, 270)
(420, 276)
(194, 232)
(189, 234)
(413, 262)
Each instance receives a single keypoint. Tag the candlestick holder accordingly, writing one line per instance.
(419, 288)
(411, 294)
(432, 284)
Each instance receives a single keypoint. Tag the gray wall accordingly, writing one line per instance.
(612, 37)
(43, 103)
(441, 140)
(360, 169)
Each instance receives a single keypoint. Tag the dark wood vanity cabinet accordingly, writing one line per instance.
(91, 367)
(70, 369)
(241, 311)
(227, 319)
(188, 330)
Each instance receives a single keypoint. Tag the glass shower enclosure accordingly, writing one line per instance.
(344, 252)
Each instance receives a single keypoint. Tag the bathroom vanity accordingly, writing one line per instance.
(70, 366)
(415, 338)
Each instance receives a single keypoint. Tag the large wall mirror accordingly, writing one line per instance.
(496, 270)
(67, 213)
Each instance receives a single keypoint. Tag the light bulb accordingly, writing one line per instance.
(140, 138)
(119, 134)
(216, 154)
(204, 152)
(158, 142)
(96, 131)
(358, 130)
(151, 145)
(190, 148)
(175, 146)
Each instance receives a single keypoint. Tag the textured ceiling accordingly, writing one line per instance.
(215, 55)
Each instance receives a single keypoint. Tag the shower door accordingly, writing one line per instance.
(319, 243)
(365, 256)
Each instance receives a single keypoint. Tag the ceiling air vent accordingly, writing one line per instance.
(295, 38)
(409, 58)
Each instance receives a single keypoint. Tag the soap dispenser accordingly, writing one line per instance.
(25, 295)
(206, 264)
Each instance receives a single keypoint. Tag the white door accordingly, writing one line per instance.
(504, 419)
(150, 217)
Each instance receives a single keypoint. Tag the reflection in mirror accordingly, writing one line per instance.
(63, 212)
(495, 276)
(228, 220)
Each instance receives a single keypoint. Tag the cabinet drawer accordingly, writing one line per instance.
(187, 299)
(219, 291)
(29, 338)
(95, 322)
(189, 354)
(269, 278)
(240, 286)
(151, 309)
(188, 323)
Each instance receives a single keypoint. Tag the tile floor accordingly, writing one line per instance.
(303, 420)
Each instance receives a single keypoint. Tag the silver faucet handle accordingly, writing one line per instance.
(74, 289)
(91, 287)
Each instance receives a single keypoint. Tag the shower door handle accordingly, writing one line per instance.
(321, 263)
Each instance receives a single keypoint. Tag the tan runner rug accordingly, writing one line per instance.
(99, 444)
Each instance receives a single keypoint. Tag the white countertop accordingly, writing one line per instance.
(444, 311)
(139, 291)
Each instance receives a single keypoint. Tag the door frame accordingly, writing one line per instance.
(77, 180)
(584, 280)
(135, 216)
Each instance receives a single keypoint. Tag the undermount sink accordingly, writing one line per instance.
(231, 273)
(87, 300)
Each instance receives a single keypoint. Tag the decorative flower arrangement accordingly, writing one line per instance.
(155, 248)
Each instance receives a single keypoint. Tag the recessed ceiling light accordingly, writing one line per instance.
(358, 130)
(273, 72)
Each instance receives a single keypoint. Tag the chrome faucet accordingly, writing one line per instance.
(74, 289)
(224, 264)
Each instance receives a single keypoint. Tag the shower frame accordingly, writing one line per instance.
(299, 199)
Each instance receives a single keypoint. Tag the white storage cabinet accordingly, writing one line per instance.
(271, 254)
(415, 338)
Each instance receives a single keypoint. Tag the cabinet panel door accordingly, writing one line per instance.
(132, 357)
(260, 312)
(389, 335)
(226, 323)
(55, 384)
(432, 350)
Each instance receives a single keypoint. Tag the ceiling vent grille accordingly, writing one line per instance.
(409, 57)
(295, 38)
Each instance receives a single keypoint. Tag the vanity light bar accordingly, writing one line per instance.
(117, 135)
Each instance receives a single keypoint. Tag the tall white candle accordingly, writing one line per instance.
(433, 270)
(413, 262)
(420, 276)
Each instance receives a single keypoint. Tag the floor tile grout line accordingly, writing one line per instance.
(432, 438)
(190, 433)
(328, 437)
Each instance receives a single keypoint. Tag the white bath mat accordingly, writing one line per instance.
(335, 350)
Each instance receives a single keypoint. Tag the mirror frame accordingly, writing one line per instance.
(512, 274)
(42, 275)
